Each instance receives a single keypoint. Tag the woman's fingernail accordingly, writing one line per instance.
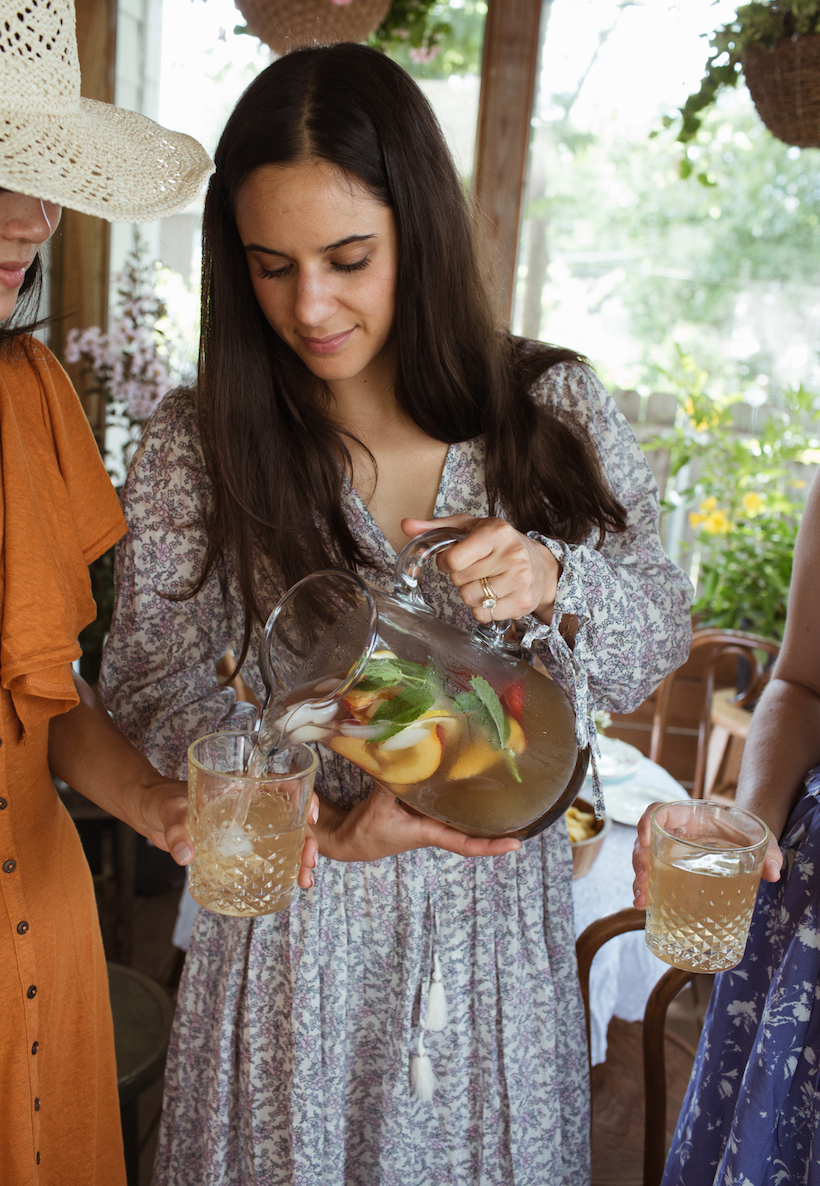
(314, 813)
(182, 853)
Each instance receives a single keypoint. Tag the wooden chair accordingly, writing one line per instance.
(723, 715)
(654, 1025)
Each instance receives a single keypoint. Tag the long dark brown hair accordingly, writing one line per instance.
(274, 455)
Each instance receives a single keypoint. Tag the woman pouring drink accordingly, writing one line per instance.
(353, 391)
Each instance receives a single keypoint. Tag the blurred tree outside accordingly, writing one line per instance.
(706, 287)
(618, 247)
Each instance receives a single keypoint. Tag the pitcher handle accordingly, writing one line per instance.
(409, 565)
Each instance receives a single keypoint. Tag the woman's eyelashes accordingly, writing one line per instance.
(346, 269)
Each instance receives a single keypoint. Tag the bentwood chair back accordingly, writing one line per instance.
(654, 1025)
(721, 644)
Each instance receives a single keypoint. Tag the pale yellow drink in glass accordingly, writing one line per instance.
(248, 830)
(705, 864)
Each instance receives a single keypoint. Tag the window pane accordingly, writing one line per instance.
(625, 261)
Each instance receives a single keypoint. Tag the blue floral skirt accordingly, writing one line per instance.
(750, 1116)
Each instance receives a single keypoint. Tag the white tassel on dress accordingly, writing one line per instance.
(436, 999)
(422, 1075)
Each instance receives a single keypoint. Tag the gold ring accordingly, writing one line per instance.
(490, 595)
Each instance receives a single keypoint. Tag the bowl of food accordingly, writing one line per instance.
(586, 835)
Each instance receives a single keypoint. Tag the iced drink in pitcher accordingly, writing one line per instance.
(453, 722)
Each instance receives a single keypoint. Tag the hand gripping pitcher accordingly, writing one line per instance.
(453, 722)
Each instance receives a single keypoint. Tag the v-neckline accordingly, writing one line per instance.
(360, 505)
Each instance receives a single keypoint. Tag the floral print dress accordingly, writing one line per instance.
(291, 1052)
(752, 1109)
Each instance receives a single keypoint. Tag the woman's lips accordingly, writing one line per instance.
(11, 274)
(327, 345)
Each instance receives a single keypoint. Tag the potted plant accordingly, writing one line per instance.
(743, 494)
(288, 24)
(414, 32)
(775, 44)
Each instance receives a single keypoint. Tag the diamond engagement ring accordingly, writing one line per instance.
(490, 596)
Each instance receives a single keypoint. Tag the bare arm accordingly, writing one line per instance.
(87, 750)
(784, 740)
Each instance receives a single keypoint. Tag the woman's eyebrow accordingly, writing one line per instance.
(349, 239)
(330, 247)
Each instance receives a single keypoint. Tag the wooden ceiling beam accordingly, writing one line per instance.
(508, 78)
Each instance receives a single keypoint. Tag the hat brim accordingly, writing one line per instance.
(101, 160)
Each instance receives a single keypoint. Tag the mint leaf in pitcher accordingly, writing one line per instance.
(408, 706)
(466, 702)
(491, 702)
(386, 673)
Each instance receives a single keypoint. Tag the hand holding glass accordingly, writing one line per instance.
(706, 859)
(248, 828)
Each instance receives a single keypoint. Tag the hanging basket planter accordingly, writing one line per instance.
(784, 83)
(292, 24)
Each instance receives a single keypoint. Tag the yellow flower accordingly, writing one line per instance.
(698, 425)
(708, 505)
(717, 523)
(752, 503)
(799, 484)
(695, 520)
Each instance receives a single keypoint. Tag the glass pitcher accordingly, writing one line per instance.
(453, 722)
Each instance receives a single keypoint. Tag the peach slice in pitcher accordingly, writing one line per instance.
(413, 762)
(478, 755)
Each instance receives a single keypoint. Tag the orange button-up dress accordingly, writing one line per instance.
(59, 1114)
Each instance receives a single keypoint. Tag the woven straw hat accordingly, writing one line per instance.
(86, 155)
(290, 24)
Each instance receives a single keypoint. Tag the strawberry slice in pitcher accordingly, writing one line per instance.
(513, 699)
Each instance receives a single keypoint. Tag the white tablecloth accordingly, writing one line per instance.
(624, 971)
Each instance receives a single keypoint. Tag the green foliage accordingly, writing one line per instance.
(758, 23)
(679, 256)
(433, 39)
(746, 585)
(743, 496)
(409, 22)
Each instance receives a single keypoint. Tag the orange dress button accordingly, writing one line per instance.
(31, 992)
(9, 866)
